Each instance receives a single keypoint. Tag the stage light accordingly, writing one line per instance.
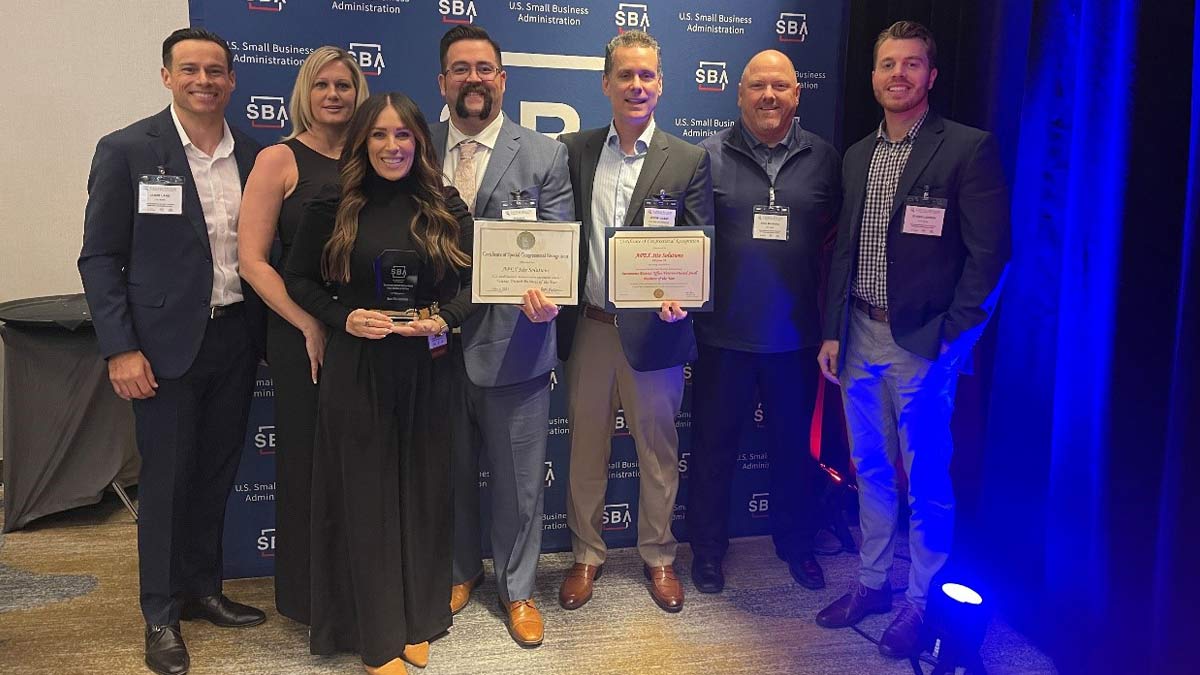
(958, 619)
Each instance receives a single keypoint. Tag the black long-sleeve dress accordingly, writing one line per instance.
(295, 404)
(381, 510)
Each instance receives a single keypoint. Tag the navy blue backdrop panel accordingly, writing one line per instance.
(554, 56)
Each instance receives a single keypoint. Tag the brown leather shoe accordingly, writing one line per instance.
(576, 589)
(853, 606)
(665, 587)
(460, 594)
(903, 638)
(417, 654)
(525, 623)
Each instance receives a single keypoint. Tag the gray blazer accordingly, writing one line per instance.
(682, 171)
(500, 345)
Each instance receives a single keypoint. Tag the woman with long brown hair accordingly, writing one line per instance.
(329, 87)
(395, 243)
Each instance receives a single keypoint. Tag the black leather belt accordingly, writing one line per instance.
(596, 314)
(875, 313)
(221, 311)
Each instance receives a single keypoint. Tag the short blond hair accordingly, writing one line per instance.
(300, 107)
(631, 38)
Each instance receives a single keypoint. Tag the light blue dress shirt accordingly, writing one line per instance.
(612, 190)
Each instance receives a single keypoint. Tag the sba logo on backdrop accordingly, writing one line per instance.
(792, 27)
(267, 112)
(759, 504)
(266, 543)
(616, 517)
(632, 16)
(711, 76)
(369, 56)
(264, 439)
(457, 11)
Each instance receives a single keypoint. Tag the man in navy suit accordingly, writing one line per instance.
(923, 244)
(635, 359)
(508, 351)
(159, 267)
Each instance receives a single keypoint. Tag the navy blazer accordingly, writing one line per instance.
(501, 346)
(938, 288)
(682, 171)
(148, 277)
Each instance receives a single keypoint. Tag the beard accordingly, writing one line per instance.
(460, 105)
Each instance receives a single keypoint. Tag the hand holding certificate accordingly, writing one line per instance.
(649, 266)
(512, 257)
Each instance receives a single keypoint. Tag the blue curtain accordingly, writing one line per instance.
(1092, 423)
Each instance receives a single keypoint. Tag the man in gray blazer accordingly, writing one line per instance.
(508, 351)
(635, 359)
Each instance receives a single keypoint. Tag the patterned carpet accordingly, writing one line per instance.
(68, 604)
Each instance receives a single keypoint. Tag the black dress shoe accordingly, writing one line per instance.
(807, 571)
(905, 637)
(221, 611)
(165, 652)
(707, 575)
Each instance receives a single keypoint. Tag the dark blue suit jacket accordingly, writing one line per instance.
(939, 288)
(148, 277)
(676, 167)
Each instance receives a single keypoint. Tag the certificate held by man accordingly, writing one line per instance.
(648, 266)
(511, 257)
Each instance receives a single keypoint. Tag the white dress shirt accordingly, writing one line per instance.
(612, 189)
(219, 185)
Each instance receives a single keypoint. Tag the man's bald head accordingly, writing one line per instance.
(768, 95)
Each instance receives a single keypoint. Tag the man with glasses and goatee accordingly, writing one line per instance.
(508, 351)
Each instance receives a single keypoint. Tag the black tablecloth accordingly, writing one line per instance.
(67, 435)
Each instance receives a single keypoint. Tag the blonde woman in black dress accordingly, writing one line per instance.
(328, 89)
(381, 480)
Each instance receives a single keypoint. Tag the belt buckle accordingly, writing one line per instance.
(212, 312)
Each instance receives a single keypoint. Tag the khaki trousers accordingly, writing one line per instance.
(600, 379)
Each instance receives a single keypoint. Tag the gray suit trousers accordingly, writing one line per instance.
(510, 424)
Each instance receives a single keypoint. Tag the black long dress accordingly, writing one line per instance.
(381, 518)
(295, 405)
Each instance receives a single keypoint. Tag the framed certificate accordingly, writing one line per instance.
(511, 257)
(647, 266)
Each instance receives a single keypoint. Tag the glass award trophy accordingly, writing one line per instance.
(396, 276)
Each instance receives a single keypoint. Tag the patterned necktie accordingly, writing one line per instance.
(464, 173)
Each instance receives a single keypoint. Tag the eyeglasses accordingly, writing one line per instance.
(461, 71)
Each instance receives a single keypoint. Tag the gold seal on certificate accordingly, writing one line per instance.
(649, 266)
(511, 257)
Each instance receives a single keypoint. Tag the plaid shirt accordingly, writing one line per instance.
(887, 163)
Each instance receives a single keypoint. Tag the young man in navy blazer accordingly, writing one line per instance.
(159, 268)
(923, 245)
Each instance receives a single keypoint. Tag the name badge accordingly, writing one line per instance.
(438, 342)
(924, 215)
(518, 209)
(160, 195)
(771, 222)
(660, 211)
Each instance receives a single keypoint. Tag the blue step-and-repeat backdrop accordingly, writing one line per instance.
(553, 53)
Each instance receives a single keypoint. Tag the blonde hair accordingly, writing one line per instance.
(300, 107)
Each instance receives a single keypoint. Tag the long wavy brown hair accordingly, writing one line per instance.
(433, 229)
